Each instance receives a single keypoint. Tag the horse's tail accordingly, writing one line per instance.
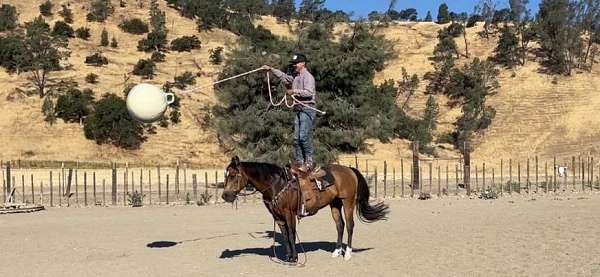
(366, 212)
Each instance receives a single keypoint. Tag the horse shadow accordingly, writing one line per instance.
(280, 248)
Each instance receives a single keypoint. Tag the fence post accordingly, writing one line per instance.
(185, 179)
(114, 184)
(104, 192)
(94, 184)
(483, 177)
(476, 178)
(32, 191)
(519, 177)
(167, 189)
(412, 187)
(85, 189)
(574, 172)
(501, 177)
(376, 183)
(22, 188)
(51, 191)
(510, 176)
(456, 179)
(150, 186)
(528, 185)
(356, 161)
(447, 182)
(394, 181)
(493, 185)
(41, 193)
(177, 179)
(384, 179)
(546, 177)
(554, 169)
(415, 168)
(467, 167)
(195, 188)
(537, 184)
(439, 182)
(216, 186)
(402, 177)
(430, 177)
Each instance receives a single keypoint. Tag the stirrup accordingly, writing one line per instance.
(319, 184)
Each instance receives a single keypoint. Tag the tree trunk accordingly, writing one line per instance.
(466, 42)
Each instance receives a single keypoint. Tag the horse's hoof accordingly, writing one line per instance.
(348, 254)
(336, 253)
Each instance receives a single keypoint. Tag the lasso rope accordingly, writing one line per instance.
(294, 100)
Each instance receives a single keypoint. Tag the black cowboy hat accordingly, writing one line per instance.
(298, 58)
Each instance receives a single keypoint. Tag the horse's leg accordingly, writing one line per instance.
(349, 214)
(336, 212)
(291, 224)
(284, 234)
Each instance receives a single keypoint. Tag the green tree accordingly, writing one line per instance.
(145, 68)
(487, 9)
(443, 14)
(431, 113)
(407, 86)
(67, 14)
(134, 26)
(521, 20)
(83, 33)
(13, 53)
(185, 43)
(110, 123)
(74, 105)
(184, 80)
(8, 17)
(216, 55)
(46, 8)
(104, 38)
(559, 35)
(507, 51)
(44, 52)
(309, 8)
(428, 17)
(157, 39)
(48, 110)
(114, 43)
(62, 30)
(100, 10)
(284, 10)
(444, 56)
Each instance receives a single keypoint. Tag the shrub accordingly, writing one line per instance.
(13, 53)
(157, 57)
(91, 78)
(114, 43)
(48, 111)
(63, 30)
(110, 123)
(83, 33)
(46, 8)
(134, 26)
(100, 10)
(216, 55)
(185, 43)
(74, 105)
(155, 41)
(104, 38)
(67, 14)
(135, 199)
(473, 20)
(144, 68)
(185, 79)
(96, 59)
(8, 17)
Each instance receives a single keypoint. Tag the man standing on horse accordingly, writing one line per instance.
(303, 90)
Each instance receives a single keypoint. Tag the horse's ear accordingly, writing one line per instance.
(235, 160)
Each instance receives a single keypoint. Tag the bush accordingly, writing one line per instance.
(100, 11)
(185, 79)
(185, 43)
(145, 68)
(13, 53)
(104, 38)
(216, 55)
(74, 105)
(63, 30)
(67, 14)
(158, 57)
(473, 20)
(91, 78)
(96, 59)
(83, 33)
(110, 123)
(114, 43)
(455, 29)
(48, 111)
(8, 17)
(155, 41)
(135, 199)
(46, 8)
(175, 116)
(134, 26)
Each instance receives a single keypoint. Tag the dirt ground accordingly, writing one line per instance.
(512, 236)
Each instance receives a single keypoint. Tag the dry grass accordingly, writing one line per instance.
(534, 116)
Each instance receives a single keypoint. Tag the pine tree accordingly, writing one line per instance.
(67, 14)
(443, 14)
(114, 43)
(283, 10)
(104, 38)
(428, 18)
(432, 110)
(507, 51)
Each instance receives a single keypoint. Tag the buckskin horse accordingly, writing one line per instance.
(280, 189)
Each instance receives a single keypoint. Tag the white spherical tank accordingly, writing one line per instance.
(147, 103)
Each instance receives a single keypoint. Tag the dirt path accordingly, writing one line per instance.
(552, 236)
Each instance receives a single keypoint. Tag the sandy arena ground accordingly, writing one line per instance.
(512, 236)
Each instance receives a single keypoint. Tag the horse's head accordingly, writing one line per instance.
(235, 180)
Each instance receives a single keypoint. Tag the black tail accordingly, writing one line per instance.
(366, 212)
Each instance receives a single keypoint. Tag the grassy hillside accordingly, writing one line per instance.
(534, 114)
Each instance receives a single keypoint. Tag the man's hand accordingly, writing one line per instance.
(265, 67)
(290, 92)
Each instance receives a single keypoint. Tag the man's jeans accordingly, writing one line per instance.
(303, 125)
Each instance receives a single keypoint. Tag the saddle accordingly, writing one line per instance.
(322, 177)
(311, 192)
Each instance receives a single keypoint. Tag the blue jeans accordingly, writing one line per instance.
(303, 125)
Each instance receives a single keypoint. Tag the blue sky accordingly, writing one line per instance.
(363, 7)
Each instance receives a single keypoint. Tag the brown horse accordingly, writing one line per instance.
(281, 195)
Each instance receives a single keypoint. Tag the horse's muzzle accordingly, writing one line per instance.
(228, 196)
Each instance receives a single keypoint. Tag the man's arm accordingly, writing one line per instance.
(286, 78)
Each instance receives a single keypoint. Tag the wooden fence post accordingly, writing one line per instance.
(528, 185)
(537, 183)
(384, 179)
(150, 186)
(104, 192)
(85, 189)
(394, 181)
(415, 167)
(195, 187)
(501, 177)
(114, 184)
(430, 177)
(456, 179)
(574, 172)
(51, 191)
(376, 183)
(167, 189)
(177, 179)
(519, 177)
(402, 177)
(32, 191)
(467, 167)
(510, 184)
(554, 170)
(94, 184)
(439, 194)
